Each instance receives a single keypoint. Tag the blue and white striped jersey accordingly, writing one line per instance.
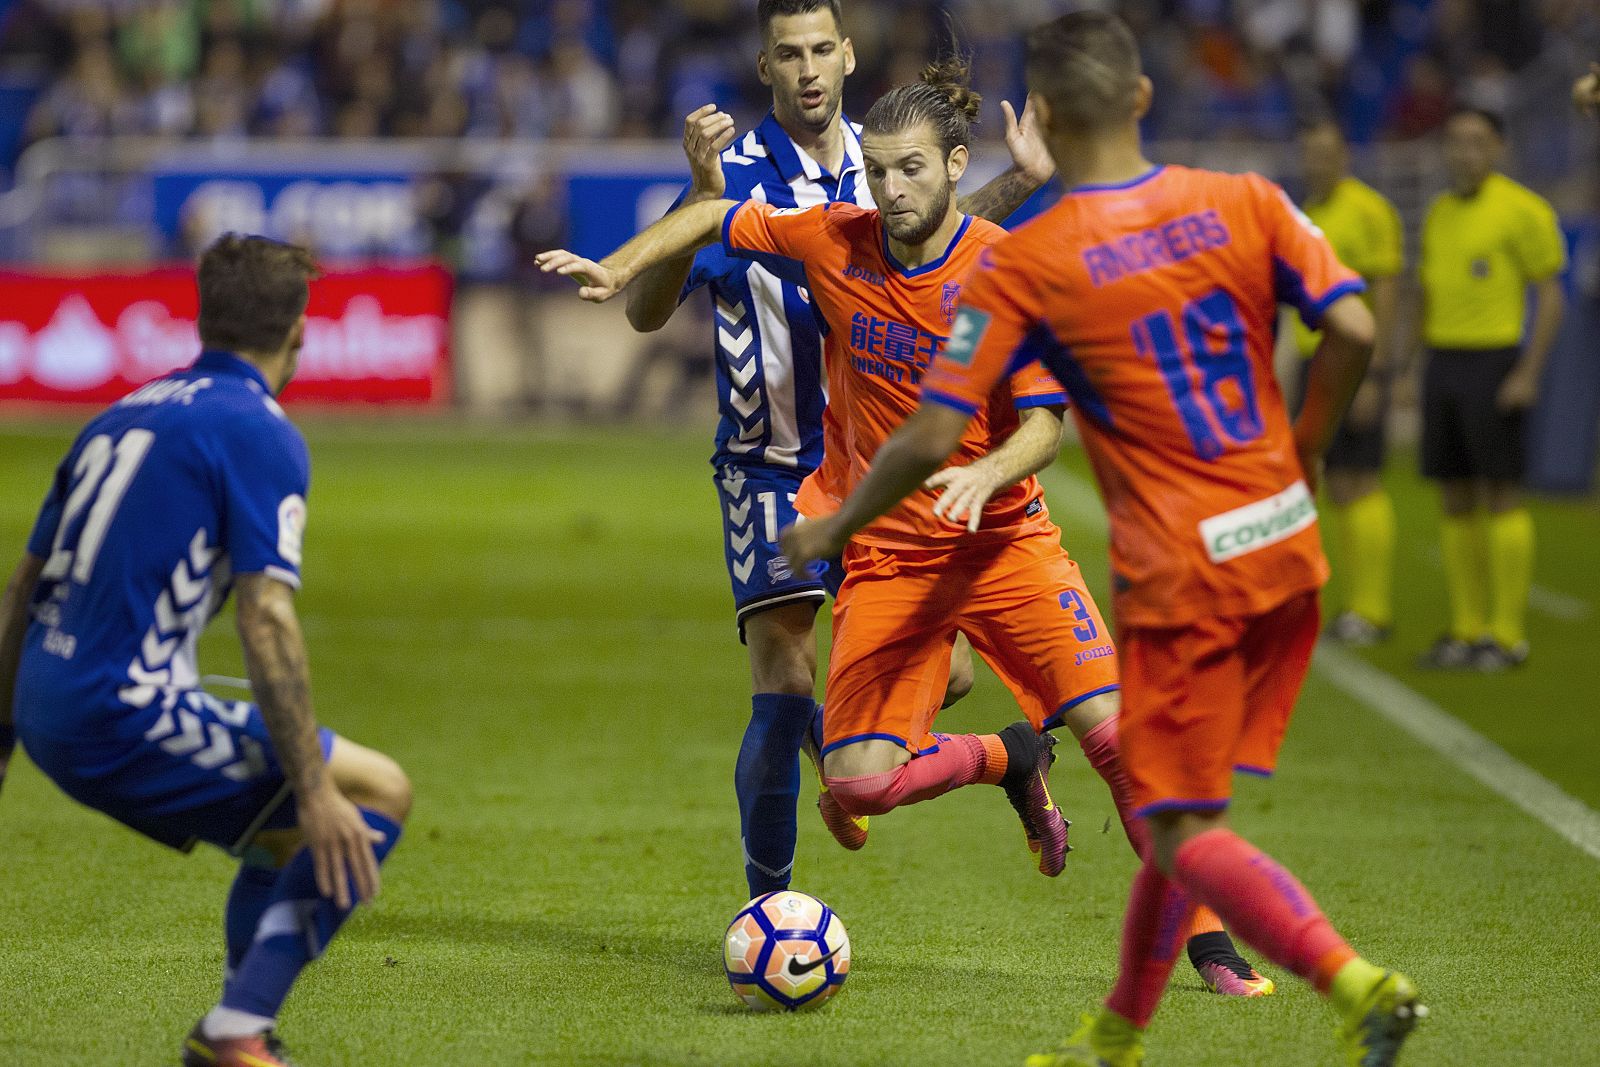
(770, 388)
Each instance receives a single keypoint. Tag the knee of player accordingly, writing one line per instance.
(869, 795)
(384, 787)
(959, 685)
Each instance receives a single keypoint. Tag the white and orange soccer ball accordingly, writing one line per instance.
(786, 951)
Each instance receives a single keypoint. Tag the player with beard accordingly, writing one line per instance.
(886, 284)
(770, 392)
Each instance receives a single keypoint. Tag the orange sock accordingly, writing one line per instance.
(994, 759)
(1204, 921)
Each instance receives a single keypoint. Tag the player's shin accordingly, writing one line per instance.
(249, 897)
(1104, 753)
(767, 781)
(1262, 903)
(294, 929)
(1152, 933)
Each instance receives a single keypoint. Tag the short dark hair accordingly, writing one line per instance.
(767, 10)
(943, 98)
(1085, 64)
(1495, 120)
(252, 291)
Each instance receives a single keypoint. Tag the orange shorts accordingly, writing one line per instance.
(1208, 699)
(1022, 603)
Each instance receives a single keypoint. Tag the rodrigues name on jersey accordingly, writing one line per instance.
(163, 498)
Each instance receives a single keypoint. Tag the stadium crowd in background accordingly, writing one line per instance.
(633, 68)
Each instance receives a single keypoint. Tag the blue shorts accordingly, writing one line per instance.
(201, 768)
(757, 505)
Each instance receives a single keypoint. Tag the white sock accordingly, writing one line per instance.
(222, 1023)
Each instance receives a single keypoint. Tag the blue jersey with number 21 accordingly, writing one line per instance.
(164, 497)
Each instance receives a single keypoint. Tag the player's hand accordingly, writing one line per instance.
(1025, 141)
(1367, 407)
(1518, 392)
(341, 845)
(967, 489)
(1586, 91)
(806, 542)
(706, 132)
(597, 283)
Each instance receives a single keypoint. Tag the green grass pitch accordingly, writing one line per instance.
(538, 628)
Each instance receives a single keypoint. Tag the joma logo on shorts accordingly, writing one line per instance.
(1255, 526)
(1098, 652)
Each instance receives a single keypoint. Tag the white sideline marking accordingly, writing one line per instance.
(1407, 709)
(1463, 746)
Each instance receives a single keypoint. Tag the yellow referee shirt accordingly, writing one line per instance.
(1364, 229)
(1479, 255)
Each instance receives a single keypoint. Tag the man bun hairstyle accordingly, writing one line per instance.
(252, 292)
(943, 98)
(1086, 66)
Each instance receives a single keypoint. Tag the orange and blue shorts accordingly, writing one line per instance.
(1208, 699)
(1023, 604)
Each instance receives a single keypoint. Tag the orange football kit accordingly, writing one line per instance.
(1154, 303)
(912, 580)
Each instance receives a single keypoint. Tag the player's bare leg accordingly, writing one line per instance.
(227, 1037)
(1211, 951)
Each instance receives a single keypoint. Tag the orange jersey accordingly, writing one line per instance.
(885, 327)
(1154, 302)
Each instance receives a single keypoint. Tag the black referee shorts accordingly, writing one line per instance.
(1465, 435)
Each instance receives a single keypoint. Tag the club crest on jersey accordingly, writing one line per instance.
(947, 303)
(965, 333)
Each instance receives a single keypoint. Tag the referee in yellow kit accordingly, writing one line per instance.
(1486, 241)
(1365, 231)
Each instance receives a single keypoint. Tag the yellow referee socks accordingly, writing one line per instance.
(1466, 572)
(1510, 574)
(1366, 530)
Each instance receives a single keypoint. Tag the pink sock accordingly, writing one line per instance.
(959, 761)
(1262, 903)
(1104, 752)
(1158, 915)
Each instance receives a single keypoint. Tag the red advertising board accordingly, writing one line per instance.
(373, 335)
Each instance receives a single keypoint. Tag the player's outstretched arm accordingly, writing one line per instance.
(686, 230)
(1029, 450)
(1348, 335)
(13, 624)
(275, 657)
(654, 297)
(912, 452)
(1031, 167)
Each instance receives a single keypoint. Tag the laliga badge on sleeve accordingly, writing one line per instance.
(291, 527)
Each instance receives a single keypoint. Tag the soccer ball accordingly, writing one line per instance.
(786, 951)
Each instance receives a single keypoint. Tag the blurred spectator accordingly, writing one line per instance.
(537, 69)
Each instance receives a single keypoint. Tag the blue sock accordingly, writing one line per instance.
(767, 781)
(293, 931)
(249, 897)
